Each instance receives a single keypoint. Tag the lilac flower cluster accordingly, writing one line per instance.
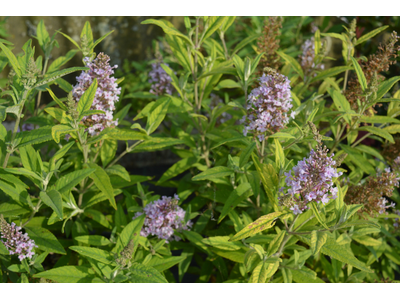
(307, 57)
(268, 105)
(311, 181)
(161, 80)
(15, 241)
(163, 216)
(106, 94)
(382, 205)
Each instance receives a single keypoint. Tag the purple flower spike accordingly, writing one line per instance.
(106, 94)
(163, 217)
(312, 181)
(15, 241)
(161, 80)
(268, 105)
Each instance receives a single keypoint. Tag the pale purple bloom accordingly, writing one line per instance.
(161, 80)
(308, 55)
(106, 94)
(312, 180)
(163, 216)
(268, 105)
(15, 241)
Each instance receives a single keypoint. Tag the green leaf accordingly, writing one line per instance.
(11, 209)
(242, 192)
(360, 74)
(358, 159)
(3, 250)
(216, 24)
(257, 226)
(95, 253)
(379, 119)
(58, 130)
(165, 263)
(263, 271)
(279, 155)
(102, 38)
(157, 116)
(119, 171)
(85, 102)
(246, 153)
(58, 74)
(221, 242)
(68, 274)
(305, 275)
(36, 136)
(318, 239)
(97, 216)
(385, 86)
(70, 39)
(330, 73)
(130, 232)
(216, 172)
(53, 199)
(145, 274)
(377, 131)
(45, 240)
(293, 62)
(276, 243)
(317, 215)
(370, 34)
(95, 240)
(25, 172)
(60, 153)
(56, 100)
(103, 183)
(335, 35)
(155, 144)
(244, 42)
(168, 28)
(342, 253)
(12, 59)
(178, 168)
(67, 182)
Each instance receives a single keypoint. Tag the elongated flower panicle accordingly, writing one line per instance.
(15, 241)
(106, 94)
(371, 193)
(312, 181)
(163, 216)
(307, 57)
(161, 81)
(268, 105)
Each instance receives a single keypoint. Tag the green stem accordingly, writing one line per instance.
(285, 240)
(40, 92)
(15, 129)
(129, 149)
(35, 210)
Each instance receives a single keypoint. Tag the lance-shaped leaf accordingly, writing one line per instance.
(246, 153)
(360, 75)
(58, 130)
(216, 172)
(36, 136)
(293, 62)
(276, 243)
(95, 240)
(130, 232)
(56, 100)
(162, 264)
(58, 74)
(67, 182)
(370, 35)
(263, 271)
(258, 225)
(157, 116)
(145, 274)
(53, 199)
(103, 183)
(12, 59)
(85, 102)
(97, 254)
(178, 168)
(331, 72)
(45, 240)
(68, 274)
(318, 239)
(168, 29)
(317, 215)
(377, 131)
(385, 86)
(242, 192)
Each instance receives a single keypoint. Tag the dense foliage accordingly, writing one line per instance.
(288, 159)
